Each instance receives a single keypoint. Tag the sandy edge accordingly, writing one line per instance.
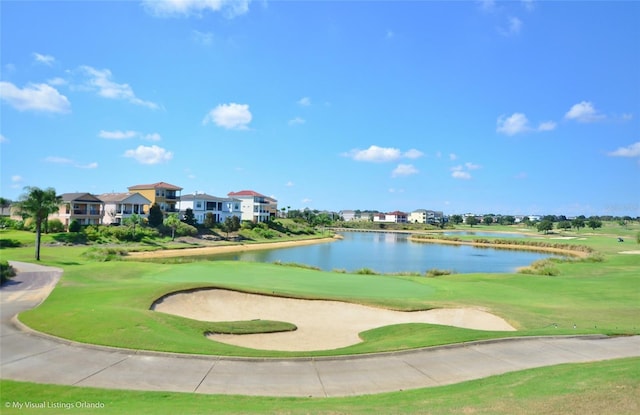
(570, 252)
(321, 324)
(226, 249)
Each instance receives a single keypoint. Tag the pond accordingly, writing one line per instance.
(392, 253)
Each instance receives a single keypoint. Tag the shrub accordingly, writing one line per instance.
(104, 254)
(75, 226)
(541, 267)
(6, 271)
(366, 271)
(435, 272)
(55, 226)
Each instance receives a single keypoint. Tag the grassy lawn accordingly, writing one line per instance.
(596, 297)
(116, 296)
(609, 387)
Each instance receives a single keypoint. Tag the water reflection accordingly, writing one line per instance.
(392, 253)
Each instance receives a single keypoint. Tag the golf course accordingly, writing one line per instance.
(115, 303)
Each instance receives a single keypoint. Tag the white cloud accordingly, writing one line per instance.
(230, 116)
(459, 174)
(203, 38)
(125, 135)
(44, 59)
(289, 184)
(528, 5)
(149, 155)
(515, 124)
(16, 179)
(382, 154)
(390, 34)
(584, 112)
(304, 102)
(100, 81)
(487, 5)
(34, 97)
(452, 156)
(117, 134)
(3, 139)
(152, 137)
(404, 170)
(462, 171)
(63, 160)
(515, 25)
(413, 154)
(547, 126)
(57, 81)
(185, 8)
(297, 121)
(632, 150)
(306, 201)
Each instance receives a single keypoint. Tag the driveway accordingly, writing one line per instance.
(29, 356)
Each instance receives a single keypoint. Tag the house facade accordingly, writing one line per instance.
(120, 206)
(84, 208)
(163, 194)
(202, 204)
(255, 207)
(426, 216)
(391, 217)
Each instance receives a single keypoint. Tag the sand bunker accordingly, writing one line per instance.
(322, 325)
(630, 252)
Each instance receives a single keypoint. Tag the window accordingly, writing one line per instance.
(198, 205)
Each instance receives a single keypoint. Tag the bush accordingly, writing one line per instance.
(6, 271)
(104, 254)
(55, 226)
(366, 271)
(75, 226)
(435, 272)
(541, 267)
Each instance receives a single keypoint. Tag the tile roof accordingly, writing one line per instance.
(158, 185)
(245, 193)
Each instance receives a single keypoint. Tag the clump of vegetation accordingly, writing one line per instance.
(366, 271)
(541, 267)
(435, 272)
(297, 265)
(99, 254)
(6, 271)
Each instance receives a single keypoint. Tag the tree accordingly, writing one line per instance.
(565, 224)
(133, 221)
(471, 220)
(172, 221)
(38, 204)
(594, 223)
(487, 220)
(230, 224)
(209, 220)
(456, 219)
(545, 226)
(155, 216)
(323, 220)
(189, 217)
(578, 223)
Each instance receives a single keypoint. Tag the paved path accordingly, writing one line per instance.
(28, 356)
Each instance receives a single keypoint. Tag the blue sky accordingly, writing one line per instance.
(520, 107)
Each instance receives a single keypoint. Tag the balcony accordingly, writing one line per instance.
(87, 212)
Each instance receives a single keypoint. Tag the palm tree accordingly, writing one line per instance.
(38, 204)
(172, 221)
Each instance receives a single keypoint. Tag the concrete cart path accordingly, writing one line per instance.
(29, 356)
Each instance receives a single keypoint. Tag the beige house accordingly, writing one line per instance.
(255, 207)
(84, 208)
(163, 194)
(120, 206)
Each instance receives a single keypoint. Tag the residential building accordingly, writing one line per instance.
(163, 194)
(84, 208)
(255, 207)
(202, 204)
(426, 216)
(391, 217)
(120, 206)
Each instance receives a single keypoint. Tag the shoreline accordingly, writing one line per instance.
(226, 249)
(514, 247)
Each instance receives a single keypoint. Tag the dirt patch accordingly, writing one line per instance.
(322, 325)
(637, 252)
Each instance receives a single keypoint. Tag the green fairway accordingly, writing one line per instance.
(586, 297)
(609, 387)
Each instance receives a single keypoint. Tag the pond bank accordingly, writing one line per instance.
(225, 249)
(520, 247)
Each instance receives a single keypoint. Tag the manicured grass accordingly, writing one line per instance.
(116, 296)
(609, 387)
